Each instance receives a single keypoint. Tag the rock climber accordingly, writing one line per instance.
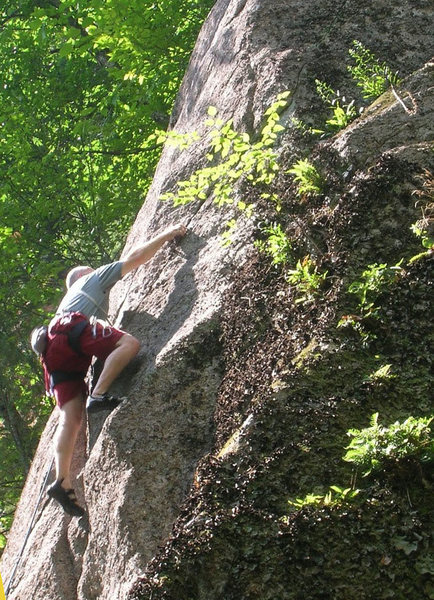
(67, 356)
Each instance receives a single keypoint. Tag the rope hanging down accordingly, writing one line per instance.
(29, 530)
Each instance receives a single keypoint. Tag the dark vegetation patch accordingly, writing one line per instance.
(315, 555)
(296, 383)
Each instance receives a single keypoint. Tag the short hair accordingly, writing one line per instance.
(75, 274)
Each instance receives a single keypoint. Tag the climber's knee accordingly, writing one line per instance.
(129, 344)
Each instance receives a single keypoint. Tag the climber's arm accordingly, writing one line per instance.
(142, 254)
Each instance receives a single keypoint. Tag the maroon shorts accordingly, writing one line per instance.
(98, 340)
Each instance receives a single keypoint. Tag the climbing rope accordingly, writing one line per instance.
(29, 530)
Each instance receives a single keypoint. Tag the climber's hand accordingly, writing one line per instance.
(176, 231)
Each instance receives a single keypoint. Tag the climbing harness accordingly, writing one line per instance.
(67, 339)
(29, 530)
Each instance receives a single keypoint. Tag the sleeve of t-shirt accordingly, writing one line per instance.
(108, 275)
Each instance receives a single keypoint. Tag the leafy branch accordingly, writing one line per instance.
(236, 157)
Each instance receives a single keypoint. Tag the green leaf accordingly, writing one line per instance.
(66, 49)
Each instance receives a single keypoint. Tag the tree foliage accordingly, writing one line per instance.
(85, 85)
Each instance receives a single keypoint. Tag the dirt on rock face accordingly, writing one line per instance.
(294, 383)
(242, 394)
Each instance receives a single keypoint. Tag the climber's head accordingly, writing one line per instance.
(76, 273)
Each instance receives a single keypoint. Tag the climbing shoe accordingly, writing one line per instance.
(104, 402)
(66, 498)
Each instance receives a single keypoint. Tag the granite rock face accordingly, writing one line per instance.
(135, 467)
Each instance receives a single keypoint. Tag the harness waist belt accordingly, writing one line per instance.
(61, 376)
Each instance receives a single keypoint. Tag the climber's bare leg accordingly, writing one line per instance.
(125, 350)
(71, 415)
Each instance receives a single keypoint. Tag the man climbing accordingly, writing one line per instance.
(75, 336)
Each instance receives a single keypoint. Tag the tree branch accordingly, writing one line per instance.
(119, 152)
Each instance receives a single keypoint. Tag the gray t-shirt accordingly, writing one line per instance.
(97, 286)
